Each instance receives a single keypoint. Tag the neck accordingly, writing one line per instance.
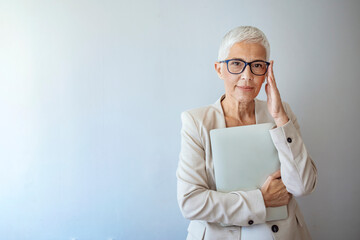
(241, 111)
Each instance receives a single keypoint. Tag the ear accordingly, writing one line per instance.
(217, 66)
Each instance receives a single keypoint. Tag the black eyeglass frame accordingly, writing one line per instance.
(246, 63)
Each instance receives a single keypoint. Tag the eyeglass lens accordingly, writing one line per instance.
(237, 66)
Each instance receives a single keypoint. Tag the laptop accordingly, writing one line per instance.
(243, 158)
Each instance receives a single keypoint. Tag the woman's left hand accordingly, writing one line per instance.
(274, 103)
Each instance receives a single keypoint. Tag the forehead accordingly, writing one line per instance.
(247, 51)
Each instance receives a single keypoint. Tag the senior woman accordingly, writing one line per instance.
(243, 66)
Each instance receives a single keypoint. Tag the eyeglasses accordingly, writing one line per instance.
(237, 66)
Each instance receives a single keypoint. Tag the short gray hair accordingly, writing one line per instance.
(242, 34)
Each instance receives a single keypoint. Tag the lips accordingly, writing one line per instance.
(245, 88)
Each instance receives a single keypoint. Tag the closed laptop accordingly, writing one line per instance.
(243, 159)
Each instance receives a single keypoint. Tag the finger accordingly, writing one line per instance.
(267, 181)
(271, 74)
(267, 89)
(276, 174)
(273, 90)
(271, 68)
(269, 81)
(266, 184)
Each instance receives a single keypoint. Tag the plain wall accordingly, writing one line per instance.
(91, 94)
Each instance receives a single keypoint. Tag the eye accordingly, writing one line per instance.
(258, 65)
(235, 63)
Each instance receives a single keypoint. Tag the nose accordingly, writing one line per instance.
(247, 74)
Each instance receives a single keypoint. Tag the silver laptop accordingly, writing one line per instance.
(243, 159)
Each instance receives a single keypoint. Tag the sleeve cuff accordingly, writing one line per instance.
(257, 205)
(284, 134)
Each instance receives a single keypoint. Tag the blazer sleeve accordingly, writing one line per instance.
(298, 171)
(195, 198)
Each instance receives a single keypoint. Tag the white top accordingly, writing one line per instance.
(256, 232)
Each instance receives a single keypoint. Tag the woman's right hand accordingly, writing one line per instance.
(274, 191)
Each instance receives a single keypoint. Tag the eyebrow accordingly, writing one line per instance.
(237, 59)
(245, 61)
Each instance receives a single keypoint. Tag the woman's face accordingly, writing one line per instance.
(243, 87)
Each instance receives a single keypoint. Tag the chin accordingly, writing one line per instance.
(245, 98)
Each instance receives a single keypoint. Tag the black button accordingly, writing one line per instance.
(251, 222)
(275, 228)
(289, 140)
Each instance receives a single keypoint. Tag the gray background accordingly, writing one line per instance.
(91, 94)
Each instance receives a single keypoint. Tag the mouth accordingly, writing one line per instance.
(245, 88)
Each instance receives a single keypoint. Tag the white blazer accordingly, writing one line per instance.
(208, 209)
